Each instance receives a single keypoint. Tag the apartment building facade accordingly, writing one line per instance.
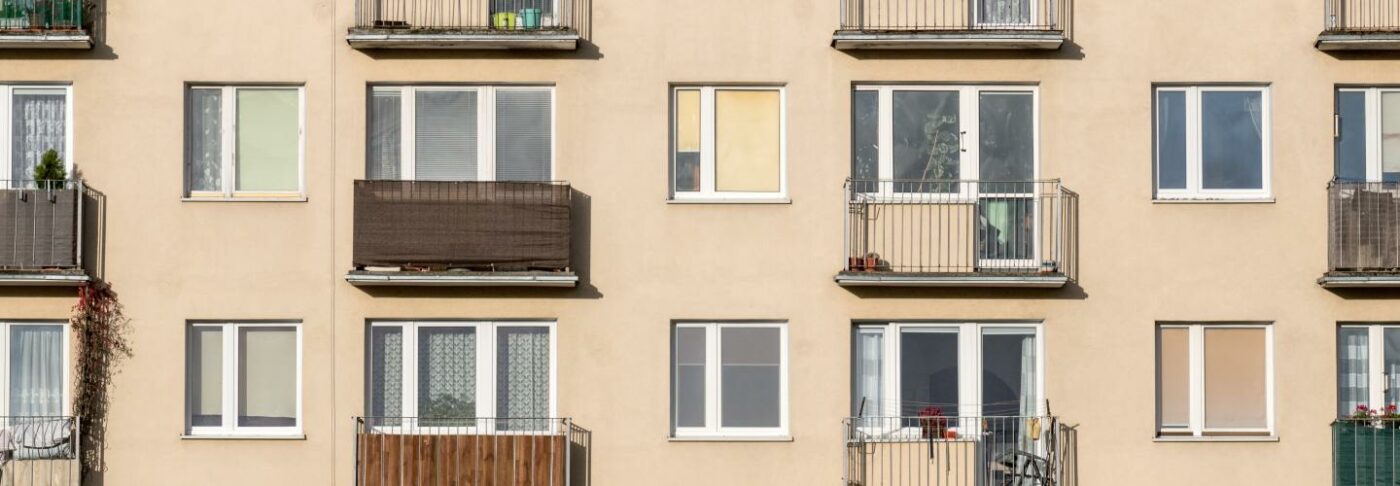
(383, 242)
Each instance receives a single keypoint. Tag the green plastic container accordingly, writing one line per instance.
(530, 18)
(503, 20)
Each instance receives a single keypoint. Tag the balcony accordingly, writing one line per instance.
(40, 451)
(934, 233)
(959, 451)
(404, 451)
(463, 234)
(1365, 451)
(41, 235)
(45, 24)
(1364, 238)
(468, 24)
(953, 24)
(1360, 25)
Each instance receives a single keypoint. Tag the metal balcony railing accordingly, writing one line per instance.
(1361, 16)
(40, 451)
(959, 451)
(40, 226)
(17, 16)
(961, 227)
(476, 16)
(403, 451)
(1365, 227)
(477, 226)
(955, 15)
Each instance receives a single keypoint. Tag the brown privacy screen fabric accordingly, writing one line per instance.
(38, 228)
(1364, 222)
(488, 226)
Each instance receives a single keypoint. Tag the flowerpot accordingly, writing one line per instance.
(530, 18)
(871, 261)
(503, 20)
(855, 264)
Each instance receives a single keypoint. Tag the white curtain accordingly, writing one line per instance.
(37, 126)
(1353, 354)
(382, 156)
(870, 386)
(1029, 397)
(206, 140)
(522, 377)
(36, 370)
(1006, 11)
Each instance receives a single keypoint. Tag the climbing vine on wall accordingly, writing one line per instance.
(100, 330)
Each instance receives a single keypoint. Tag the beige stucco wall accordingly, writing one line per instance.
(648, 262)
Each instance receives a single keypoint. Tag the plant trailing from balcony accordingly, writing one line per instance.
(100, 329)
(49, 172)
(932, 422)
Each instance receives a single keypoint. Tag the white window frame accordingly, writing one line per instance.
(707, 146)
(6, 133)
(1196, 339)
(969, 127)
(969, 360)
(228, 124)
(1375, 357)
(1374, 169)
(67, 364)
(229, 413)
(485, 125)
(1194, 178)
(486, 341)
(714, 400)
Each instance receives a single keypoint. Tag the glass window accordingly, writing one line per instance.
(463, 375)
(728, 142)
(243, 141)
(1212, 142)
(729, 379)
(38, 122)
(1368, 368)
(36, 370)
(1214, 379)
(447, 127)
(243, 378)
(1367, 142)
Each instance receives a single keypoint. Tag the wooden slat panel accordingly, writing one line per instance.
(461, 460)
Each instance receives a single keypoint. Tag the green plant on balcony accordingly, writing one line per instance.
(1365, 447)
(14, 14)
(447, 410)
(49, 173)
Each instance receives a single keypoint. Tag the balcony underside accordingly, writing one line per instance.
(954, 40)
(75, 39)
(948, 279)
(366, 278)
(1344, 280)
(42, 278)
(1359, 41)
(551, 40)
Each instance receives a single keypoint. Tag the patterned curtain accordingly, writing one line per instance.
(446, 375)
(522, 377)
(206, 140)
(386, 375)
(37, 125)
(1006, 11)
(1353, 354)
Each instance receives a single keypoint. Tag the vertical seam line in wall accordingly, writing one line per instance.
(335, 310)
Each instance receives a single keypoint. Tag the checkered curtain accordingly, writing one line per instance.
(1353, 355)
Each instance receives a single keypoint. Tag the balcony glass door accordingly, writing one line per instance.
(1007, 214)
(1367, 142)
(1005, 13)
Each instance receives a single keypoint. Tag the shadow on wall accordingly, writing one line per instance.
(1069, 51)
(586, 51)
(580, 456)
(94, 230)
(1071, 291)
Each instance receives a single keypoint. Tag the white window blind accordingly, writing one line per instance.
(523, 135)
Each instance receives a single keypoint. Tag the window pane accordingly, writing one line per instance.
(748, 137)
(927, 139)
(1351, 139)
(522, 377)
(269, 140)
(1235, 378)
(1174, 376)
(750, 377)
(445, 141)
(690, 377)
(1006, 138)
(523, 135)
(1009, 373)
(687, 140)
(928, 372)
(36, 370)
(1232, 140)
(1390, 136)
(1392, 366)
(206, 376)
(385, 139)
(870, 374)
(206, 140)
(386, 374)
(38, 124)
(1353, 363)
(1004, 228)
(865, 137)
(1171, 140)
(267, 372)
(446, 375)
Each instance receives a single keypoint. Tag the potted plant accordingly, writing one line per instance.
(13, 15)
(49, 173)
(932, 423)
